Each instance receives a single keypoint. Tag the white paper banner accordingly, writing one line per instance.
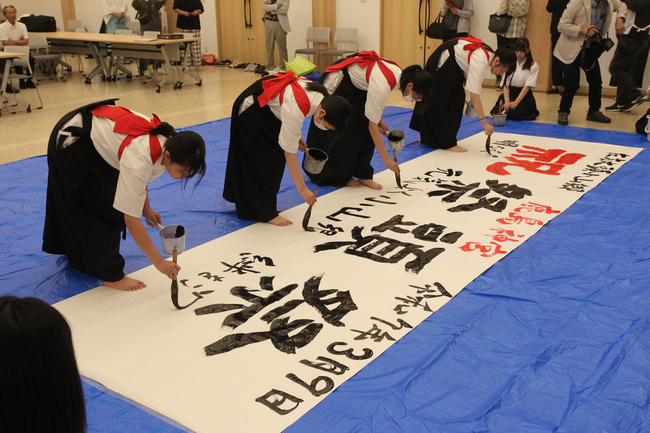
(280, 317)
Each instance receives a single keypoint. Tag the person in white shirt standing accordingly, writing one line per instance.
(276, 27)
(14, 33)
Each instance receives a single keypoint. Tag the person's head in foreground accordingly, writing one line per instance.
(40, 387)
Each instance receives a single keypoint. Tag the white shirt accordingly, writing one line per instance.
(135, 166)
(377, 86)
(473, 69)
(110, 7)
(524, 77)
(289, 114)
(16, 32)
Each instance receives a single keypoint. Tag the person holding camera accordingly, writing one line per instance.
(581, 43)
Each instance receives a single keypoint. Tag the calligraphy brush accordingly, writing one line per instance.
(487, 142)
(305, 219)
(175, 286)
(397, 176)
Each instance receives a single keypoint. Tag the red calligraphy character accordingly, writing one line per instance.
(534, 207)
(502, 235)
(514, 218)
(537, 160)
(486, 250)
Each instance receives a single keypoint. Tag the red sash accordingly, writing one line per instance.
(369, 59)
(133, 126)
(277, 85)
(473, 45)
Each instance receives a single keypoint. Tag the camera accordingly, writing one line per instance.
(606, 43)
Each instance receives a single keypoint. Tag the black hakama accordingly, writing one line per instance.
(350, 156)
(525, 110)
(256, 161)
(438, 125)
(80, 220)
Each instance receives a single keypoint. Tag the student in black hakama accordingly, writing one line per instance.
(517, 100)
(365, 80)
(454, 63)
(100, 159)
(266, 134)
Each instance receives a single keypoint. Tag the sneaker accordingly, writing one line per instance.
(553, 91)
(616, 107)
(146, 74)
(598, 116)
(636, 101)
(563, 118)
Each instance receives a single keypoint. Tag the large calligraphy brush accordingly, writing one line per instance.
(305, 219)
(397, 176)
(487, 142)
(175, 286)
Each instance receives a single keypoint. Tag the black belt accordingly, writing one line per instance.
(271, 18)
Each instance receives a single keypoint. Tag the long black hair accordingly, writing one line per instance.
(422, 83)
(506, 55)
(338, 111)
(186, 148)
(523, 45)
(40, 387)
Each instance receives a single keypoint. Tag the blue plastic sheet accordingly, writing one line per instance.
(554, 337)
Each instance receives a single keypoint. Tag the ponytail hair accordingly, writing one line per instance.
(422, 84)
(317, 87)
(523, 45)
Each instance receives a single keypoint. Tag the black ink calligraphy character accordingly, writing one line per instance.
(437, 291)
(349, 353)
(392, 224)
(209, 276)
(453, 192)
(330, 230)
(328, 384)
(327, 365)
(402, 323)
(376, 334)
(387, 250)
(346, 211)
(376, 200)
(274, 399)
(431, 232)
(411, 302)
(318, 299)
(279, 336)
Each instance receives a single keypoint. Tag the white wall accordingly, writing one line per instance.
(38, 7)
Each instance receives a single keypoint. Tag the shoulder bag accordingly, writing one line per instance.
(499, 23)
(437, 29)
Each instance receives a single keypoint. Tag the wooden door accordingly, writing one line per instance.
(256, 38)
(233, 36)
(402, 38)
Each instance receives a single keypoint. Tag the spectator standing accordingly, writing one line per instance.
(579, 25)
(151, 9)
(188, 22)
(276, 27)
(518, 9)
(40, 387)
(456, 17)
(555, 7)
(115, 16)
(630, 45)
(14, 33)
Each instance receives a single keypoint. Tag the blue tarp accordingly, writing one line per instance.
(554, 337)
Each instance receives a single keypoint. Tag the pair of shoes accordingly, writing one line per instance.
(224, 63)
(598, 116)
(259, 69)
(636, 101)
(251, 67)
(234, 64)
(618, 107)
(11, 89)
(241, 66)
(553, 91)
(563, 118)
(30, 84)
(22, 84)
(146, 74)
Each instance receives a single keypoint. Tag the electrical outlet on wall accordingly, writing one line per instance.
(205, 49)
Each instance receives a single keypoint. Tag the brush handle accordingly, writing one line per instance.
(174, 255)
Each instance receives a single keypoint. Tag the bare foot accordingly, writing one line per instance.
(354, 183)
(457, 149)
(126, 284)
(280, 221)
(370, 183)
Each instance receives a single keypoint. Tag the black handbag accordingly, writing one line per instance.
(144, 18)
(499, 23)
(437, 29)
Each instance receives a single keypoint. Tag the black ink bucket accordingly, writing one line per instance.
(396, 139)
(171, 241)
(315, 160)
